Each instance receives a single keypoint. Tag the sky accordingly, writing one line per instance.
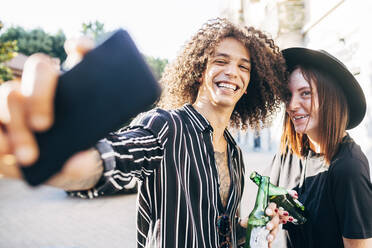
(159, 27)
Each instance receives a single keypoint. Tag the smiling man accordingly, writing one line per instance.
(190, 167)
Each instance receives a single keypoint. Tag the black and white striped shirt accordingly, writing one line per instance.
(171, 152)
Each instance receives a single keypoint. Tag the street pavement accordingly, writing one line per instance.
(45, 217)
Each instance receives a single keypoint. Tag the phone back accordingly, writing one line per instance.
(101, 93)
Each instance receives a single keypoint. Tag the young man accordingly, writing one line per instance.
(189, 165)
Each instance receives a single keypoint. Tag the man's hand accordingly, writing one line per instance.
(28, 106)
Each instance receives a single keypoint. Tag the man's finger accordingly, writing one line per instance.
(5, 90)
(21, 139)
(39, 82)
(8, 166)
(4, 143)
(244, 222)
(80, 45)
(76, 49)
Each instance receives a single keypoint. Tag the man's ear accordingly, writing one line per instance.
(200, 79)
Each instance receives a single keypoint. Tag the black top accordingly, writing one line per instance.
(338, 198)
(171, 153)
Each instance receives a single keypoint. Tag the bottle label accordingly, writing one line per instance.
(258, 237)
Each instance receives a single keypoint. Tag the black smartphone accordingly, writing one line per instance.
(108, 87)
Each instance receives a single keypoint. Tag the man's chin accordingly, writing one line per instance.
(225, 104)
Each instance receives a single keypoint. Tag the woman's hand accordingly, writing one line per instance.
(276, 216)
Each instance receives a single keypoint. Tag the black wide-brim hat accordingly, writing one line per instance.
(326, 62)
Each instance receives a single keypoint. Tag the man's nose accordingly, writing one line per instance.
(231, 70)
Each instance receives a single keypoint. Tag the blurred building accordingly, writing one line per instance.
(16, 65)
(340, 27)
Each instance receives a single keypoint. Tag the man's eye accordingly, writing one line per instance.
(220, 62)
(245, 68)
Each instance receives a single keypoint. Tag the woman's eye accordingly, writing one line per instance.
(306, 93)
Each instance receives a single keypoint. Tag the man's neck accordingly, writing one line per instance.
(219, 119)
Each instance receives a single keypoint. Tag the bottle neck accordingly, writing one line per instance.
(273, 190)
(258, 216)
(262, 195)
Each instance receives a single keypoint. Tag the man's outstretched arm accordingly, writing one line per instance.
(81, 172)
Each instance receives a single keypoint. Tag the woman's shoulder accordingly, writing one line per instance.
(286, 158)
(285, 169)
(350, 160)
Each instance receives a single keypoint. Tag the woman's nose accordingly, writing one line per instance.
(293, 103)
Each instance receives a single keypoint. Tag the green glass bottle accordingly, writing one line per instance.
(256, 230)
(283, 199)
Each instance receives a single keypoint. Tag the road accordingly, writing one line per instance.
(46, 217)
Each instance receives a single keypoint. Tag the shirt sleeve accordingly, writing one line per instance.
(133, 151)
(240, 233)
(351, 189)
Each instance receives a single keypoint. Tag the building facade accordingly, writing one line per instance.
(340, 27)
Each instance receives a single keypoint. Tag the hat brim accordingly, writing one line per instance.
(324, 61)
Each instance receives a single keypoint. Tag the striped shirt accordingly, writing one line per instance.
(171, 153)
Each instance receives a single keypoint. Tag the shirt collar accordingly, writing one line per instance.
(229, 137)
(200, 121)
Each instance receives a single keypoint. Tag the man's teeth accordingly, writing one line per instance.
(229, 86)
(299, 117)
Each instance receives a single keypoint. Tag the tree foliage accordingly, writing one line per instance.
(94, 30)
(36, 40)
(157, 65)
(7, 52)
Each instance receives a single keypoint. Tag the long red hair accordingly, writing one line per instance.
(332, 116)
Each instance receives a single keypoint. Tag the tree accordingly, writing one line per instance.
(36, 40)
(7, 52)
(157, 65)
(96, 30)
(93, 29)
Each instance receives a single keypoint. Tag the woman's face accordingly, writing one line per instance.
(303, 116)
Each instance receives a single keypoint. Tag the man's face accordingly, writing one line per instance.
(227, 74)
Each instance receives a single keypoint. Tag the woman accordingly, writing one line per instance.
(319, 159)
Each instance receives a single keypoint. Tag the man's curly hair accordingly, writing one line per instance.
(268, 83)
